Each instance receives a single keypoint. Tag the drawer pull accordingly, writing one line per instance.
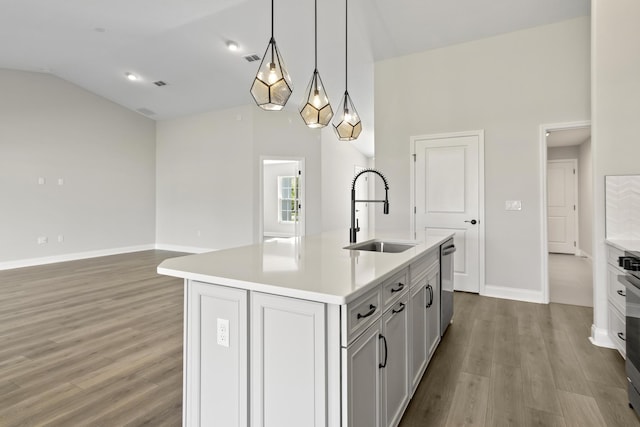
(621, 293)
(399, 288)
(402, 306)
(621, 336)
(372, 309)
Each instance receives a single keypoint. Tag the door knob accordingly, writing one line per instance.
(473, 222)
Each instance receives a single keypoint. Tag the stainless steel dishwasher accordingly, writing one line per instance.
(446, 284)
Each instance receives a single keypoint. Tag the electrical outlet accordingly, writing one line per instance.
(42, 240)
(60, 181)
(42, 181)
(223, 332)
(513, 205)
(60, 238)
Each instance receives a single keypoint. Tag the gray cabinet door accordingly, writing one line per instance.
(362, 361)
(395, 373)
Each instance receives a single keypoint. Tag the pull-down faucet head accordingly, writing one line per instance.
(354, 227)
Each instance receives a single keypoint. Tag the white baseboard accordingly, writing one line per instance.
(178, 248)
(600, 337)
(512, 294)
(30, 262)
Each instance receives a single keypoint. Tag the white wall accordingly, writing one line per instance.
(339, 159)
(585, 198)
(615, 112)
(104, 153)
(208, 180)
(271, 210)
(507, 86)
(205, 175)
(563, 153)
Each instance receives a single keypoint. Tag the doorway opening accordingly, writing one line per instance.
(282, 194)
(567, 209)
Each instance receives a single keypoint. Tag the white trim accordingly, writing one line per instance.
(600, 337)
(31, 262)
(180, 248)
(503, 292)
(544, 244)
(481, 218)
(301, 192)
(576, 195)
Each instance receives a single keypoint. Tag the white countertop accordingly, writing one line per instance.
(314, 267)
(625, 245)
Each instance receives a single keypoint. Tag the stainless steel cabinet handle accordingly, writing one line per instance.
(621, 293)
(372, 309)
(621, 336)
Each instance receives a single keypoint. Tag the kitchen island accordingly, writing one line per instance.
(301, 332)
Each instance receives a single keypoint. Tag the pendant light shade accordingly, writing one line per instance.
(315, 109)
(346, 123)
(272, 86)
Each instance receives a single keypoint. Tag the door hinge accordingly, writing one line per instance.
(574, 171)
(415, 210)
(574, 207)
(299, 172)
(414, 157)
(574, 244)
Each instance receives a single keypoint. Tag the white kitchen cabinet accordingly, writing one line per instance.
(215, 376)
(616, 296)
(376, 377)
(395, 365)
(288, 362)
(361, 380)
(424, 304)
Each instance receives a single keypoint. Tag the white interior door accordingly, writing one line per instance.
(447, 185)
(561, 206)
(362, 193)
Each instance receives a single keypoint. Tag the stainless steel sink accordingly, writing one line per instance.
(381, 246)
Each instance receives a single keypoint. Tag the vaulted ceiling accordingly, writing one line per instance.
(93, 43)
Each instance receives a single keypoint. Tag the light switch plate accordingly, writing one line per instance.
(513, 205)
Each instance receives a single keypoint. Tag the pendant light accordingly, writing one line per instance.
(347, 123)
(315, 109)
(272, 86)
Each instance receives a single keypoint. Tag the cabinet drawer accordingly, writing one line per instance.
(616, 290)
(613, 254)
(359, 314)
(420, 267)
(617, 329)
(394, 287)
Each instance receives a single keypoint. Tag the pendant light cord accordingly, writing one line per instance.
(346, 44)
(271, 19)
(315, 14)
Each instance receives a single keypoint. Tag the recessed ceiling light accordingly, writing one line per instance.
(232, 46)
(131, 76)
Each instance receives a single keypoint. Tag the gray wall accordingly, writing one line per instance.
(615, 112)
(104, 153)
(506, 86)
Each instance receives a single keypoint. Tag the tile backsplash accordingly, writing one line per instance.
(622, 195)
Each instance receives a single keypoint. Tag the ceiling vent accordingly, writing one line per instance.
(146, 112)
(159, 83)
(251, 58)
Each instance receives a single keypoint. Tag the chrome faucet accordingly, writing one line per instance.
(355, 227)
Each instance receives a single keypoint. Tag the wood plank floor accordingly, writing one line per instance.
(98, 342)
(510, 363)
